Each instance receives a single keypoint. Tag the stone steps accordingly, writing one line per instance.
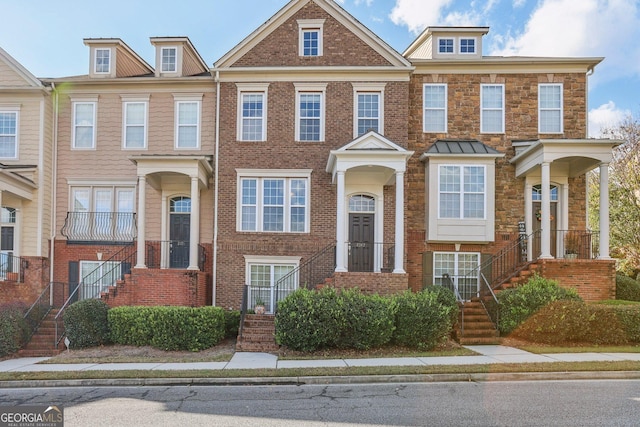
(258, 334)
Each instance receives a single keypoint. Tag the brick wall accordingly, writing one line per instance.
(373, 283)
(595, 280)
(36, 279)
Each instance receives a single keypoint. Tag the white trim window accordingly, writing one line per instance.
(446, 45)
(134, 134)
(310, 100)
(368, 112)
(9, 125)
(273, 203)
(169, 59)
(459, 267)
(252, 112)
(263, 273)
(492, 108)
(187, 133)
(435, 108)
(462, 191)
(101, 213)
(102, 61)
(550, 108)
(84, 125)
(97, 276)
(310, 37)
(467, 46)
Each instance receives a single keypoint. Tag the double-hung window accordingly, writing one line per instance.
(103, 61)
(435, 108)
(101, 213)
(187, 133)
(135, 124)
(550, 108)
(368, 112)
(492, 108)
(168, 59)
(310, 113)
(274, 203)
(84, 124)
(457, 271)
(462, 192)
(8, 133)
(310, 37)
(252, 112)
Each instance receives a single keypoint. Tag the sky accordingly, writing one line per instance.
(47, 37)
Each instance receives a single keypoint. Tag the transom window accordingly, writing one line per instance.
(467, 45)
(84, 119)
(435, 108)
(457, 271)
(462, 192)
(180, 204)
(274, 204)
(362, 203)
(168, 59)
(492, 108)
(135, 125)
(536, 193)
(103, 61)
(550, 108)
(7, 215)
(9, 134)
(187, 124)
(445, 45)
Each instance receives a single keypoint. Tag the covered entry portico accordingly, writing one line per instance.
(547, 165)
(361, 170)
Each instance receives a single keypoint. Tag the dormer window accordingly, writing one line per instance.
(103, 61)
(445, 46)
(468, 46)
(310, 37)
(168, 60)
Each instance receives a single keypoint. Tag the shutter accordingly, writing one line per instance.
(74, 279)
(427, 269)
(125, 268)
(487, 267)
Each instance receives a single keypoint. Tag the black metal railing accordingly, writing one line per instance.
(580, 244)
(100, 226)
(52, 297)
(369, 257)
(12, 267)
(171, 254)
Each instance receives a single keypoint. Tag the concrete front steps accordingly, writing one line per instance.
(42, 341)
(258, 334)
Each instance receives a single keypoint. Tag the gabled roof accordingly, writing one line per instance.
(460, 147)
(22, 72)
(185, 41)
(425, 36)
(333, 9)
(122, 46)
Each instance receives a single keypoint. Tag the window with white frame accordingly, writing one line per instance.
(263, 273)
(273, 203)
(9, 134)
(101, 212)
(252, 116)
(135, 124)
(7, 241)
(550, 108)
(168, 59)
(446, 45)
(103, 61)
(462, 191)
(310, 37)
(467, 45)
(187, 123)
(368, 112)
(457, 271)
(310, 112)
(492, 108)
(97, 276)
(84, 121)
(435, 108)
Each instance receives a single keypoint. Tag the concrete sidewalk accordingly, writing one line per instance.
(487, 354)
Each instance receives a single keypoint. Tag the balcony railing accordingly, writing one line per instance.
(100, 226)
(12, 267)
(580, 244)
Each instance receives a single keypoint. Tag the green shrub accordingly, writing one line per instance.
(627, 288)
(168, 328)
(447, 298)
(368, 320)
(13, 328)
(308, 320)
(421, 320)
(231, 323)
(629, 318)
(517, 304)
(86, 324)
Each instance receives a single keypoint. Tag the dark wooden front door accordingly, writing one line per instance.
(537, 223)
(179, 234)
(361, 238)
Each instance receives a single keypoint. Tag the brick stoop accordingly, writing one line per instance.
(258, 334)
(42, 341)
(478, 327)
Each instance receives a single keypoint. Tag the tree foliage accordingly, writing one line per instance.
(624, 195)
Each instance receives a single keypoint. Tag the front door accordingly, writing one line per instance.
(537, 224)
(179, 234)
(361, 241)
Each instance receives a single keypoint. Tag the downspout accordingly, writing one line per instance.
(215, 193)
(54, 180)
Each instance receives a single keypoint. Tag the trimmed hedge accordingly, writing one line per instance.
(86, 324)
(517, 304)
(627, 288)
(13, 328)
(368, 320)
(231, 323)
(168, 328)
(576, 322)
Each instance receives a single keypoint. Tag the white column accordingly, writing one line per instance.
(604, 211)
(399, 240)
(528, 217)
(142, 198)
(194, 230)
(340, 219)
(546, 211)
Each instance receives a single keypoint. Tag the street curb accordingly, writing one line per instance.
(358, 379)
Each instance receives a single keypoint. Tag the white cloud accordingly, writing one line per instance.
(367, 2)
(418, 14)
(605, 116)
(518, 3)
